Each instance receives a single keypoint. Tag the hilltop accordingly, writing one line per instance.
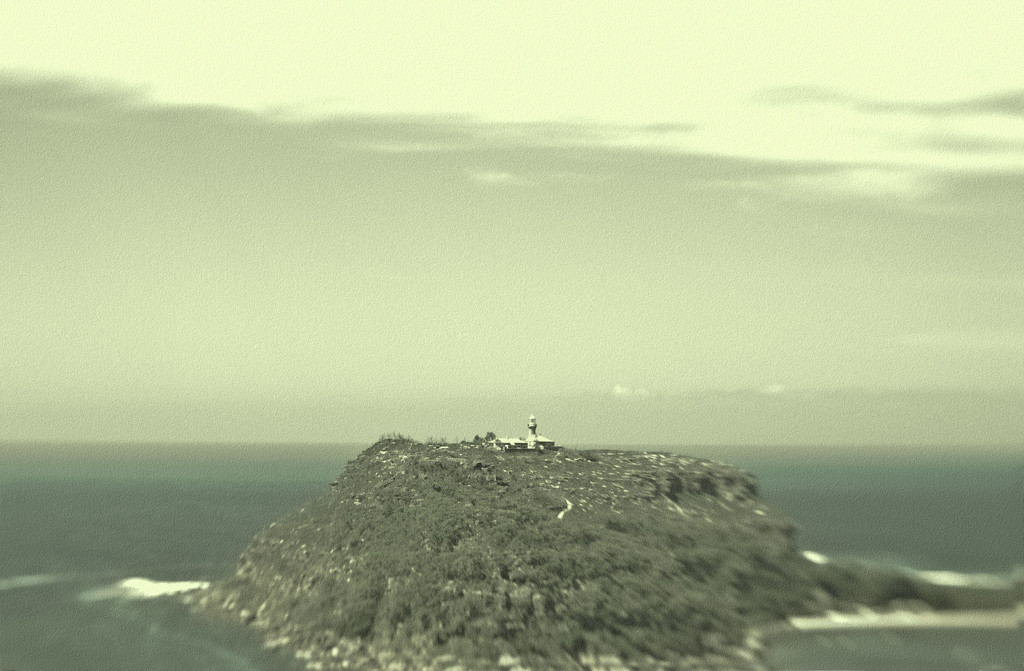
(458, 556)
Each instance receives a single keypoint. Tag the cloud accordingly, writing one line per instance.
(33, 95)
(756, 154)
(852, 181)
(973, 144)
(982, 134)
(839, 144)
(536, 178)
(669, 127)
(621, 391)
(1008, 103)
(445, 134)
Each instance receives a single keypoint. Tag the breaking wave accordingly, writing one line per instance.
(141, 588)
(127, 588)
(994, 581)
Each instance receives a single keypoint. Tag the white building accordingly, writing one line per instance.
(534, 442)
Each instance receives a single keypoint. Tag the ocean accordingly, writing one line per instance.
(90, 535)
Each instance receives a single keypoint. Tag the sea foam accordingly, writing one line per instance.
(992, 581)
(815, 557)
(20, 581)
(141, 588)
(870, 619)
(954, 579)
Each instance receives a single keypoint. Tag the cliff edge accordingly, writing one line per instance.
(438, 557)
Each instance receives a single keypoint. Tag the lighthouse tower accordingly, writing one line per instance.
(531, 441)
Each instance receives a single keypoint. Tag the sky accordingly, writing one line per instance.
(656, 222)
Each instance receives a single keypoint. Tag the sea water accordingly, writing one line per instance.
(91, 537)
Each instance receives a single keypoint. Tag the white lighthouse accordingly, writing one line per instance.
(534, 442)
(531, 440)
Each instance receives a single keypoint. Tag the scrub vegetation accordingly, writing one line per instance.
(462, 553)
(430, 556)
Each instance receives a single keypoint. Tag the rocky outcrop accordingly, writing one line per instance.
(447, 557)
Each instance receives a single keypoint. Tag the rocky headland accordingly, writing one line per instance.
(463, 557)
